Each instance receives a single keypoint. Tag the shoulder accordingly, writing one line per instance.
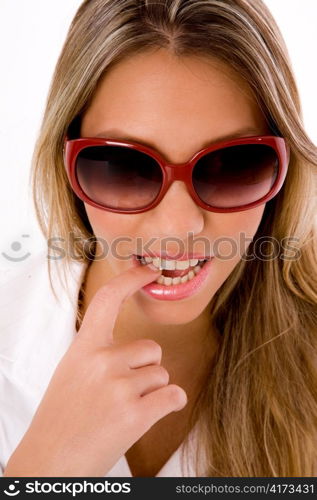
(36, 326)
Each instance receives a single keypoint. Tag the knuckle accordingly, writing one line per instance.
(99, 363)
(162, 374)
(153, 346)
(103, 358)
(131, 417)
(177, 395)
(104, 293)
(122, 391)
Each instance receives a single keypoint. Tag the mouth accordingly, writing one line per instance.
(174, 272)
(176, 284)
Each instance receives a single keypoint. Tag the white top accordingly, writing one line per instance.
(35, 332)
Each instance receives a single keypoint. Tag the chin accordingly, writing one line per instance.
(179, 312)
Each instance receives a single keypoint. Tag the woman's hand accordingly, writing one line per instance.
(102, 396)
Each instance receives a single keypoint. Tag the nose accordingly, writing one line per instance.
(177, 214)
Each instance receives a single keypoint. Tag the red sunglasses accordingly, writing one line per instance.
(126, 177)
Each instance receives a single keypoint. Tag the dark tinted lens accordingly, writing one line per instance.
(235, 176)
(118, 177)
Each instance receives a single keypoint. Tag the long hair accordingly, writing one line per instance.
(257, 410)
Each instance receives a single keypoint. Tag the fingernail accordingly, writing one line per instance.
(154, 268)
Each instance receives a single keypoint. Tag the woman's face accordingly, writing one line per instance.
(177, 106)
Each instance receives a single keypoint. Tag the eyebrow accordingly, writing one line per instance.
(244, 132)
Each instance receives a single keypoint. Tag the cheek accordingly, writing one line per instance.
(233, 232)
(114, 231)
(106, 224)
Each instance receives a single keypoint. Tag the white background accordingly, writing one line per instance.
(32, 33)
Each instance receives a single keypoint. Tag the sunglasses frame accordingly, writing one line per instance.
(172, 172)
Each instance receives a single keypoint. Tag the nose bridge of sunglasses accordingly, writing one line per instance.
(179, 172)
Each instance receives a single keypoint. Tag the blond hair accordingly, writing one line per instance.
(257, 410)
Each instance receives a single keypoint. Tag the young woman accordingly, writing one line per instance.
(172, 156)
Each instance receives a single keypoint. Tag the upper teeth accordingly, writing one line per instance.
(171, 264)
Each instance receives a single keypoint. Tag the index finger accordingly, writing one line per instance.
(102, 312)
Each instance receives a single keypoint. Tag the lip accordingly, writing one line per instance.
(176, 292)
